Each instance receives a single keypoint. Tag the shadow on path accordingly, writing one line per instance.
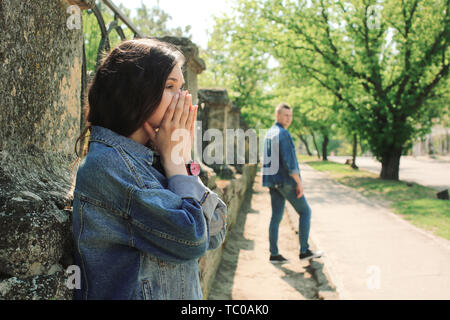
(235, 242)
(245, 271)
(303, 282)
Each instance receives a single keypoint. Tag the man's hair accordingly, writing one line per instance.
(282, 106)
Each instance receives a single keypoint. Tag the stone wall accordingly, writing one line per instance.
(213, 114)
(220, 113)
(40, 84)
(232, 192)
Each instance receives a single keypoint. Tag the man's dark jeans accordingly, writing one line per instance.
(278, 196)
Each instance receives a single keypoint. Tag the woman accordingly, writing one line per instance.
(141, 219)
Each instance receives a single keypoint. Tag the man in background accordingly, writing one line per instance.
(285, 183)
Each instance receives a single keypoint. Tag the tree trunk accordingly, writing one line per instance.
(447, 148)
(315, 145)
(390, 165)
(305, 142)
(355, 147)
(430, 146)
(324, 148)
(361, 147)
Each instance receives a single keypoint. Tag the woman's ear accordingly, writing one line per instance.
(151, 133)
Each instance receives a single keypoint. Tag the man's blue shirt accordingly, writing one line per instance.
(280, 160)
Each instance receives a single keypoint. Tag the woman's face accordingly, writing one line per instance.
(174, 84)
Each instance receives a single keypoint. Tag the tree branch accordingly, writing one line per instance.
(428, 89)
(375, 78)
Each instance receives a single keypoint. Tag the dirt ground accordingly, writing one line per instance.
(245, 271)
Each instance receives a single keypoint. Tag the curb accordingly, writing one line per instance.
(326, 288)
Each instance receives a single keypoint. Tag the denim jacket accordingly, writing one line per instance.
(137, 234)
(280, 159)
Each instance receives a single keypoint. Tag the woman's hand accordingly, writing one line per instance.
(175, 136)
(190, 126)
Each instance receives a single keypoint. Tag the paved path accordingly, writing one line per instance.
(245, 271)
(372, 253)
(423, 170)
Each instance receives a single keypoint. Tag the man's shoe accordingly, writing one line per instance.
(308, 255)
(278, 259)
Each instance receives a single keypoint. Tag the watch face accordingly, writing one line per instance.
(195, 168)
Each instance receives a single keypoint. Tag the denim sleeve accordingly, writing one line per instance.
(214, 209)
(287, 152)
(217, 220)
(167, 226)
(177, 223)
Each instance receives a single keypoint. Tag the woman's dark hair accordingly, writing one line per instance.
(128, 86)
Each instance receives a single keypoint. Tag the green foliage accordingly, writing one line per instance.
(155, 22)
(149, 21)
(92, 33)
(339, 171)
(429, 214)
(386, 62)
(241, 67)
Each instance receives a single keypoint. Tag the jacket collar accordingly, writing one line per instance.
(109, 137)
(278, 124)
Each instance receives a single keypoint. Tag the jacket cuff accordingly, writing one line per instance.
(294, 171)
(186, 187)
(216, 212)
(214, 209)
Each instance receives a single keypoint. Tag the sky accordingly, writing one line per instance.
(197, 13)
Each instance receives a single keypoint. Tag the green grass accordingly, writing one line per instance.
(304, 158)
(429, 214)
(414, 202)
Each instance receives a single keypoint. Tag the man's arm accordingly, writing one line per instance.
(299, 189)
(290, 160)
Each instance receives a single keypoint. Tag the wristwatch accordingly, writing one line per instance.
(193, 168)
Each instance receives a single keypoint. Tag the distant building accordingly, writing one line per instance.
(437, 142)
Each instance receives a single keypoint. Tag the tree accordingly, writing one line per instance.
(152, 22)
(92, 34)
(241, 67)
(313, 110)
(383, 60)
